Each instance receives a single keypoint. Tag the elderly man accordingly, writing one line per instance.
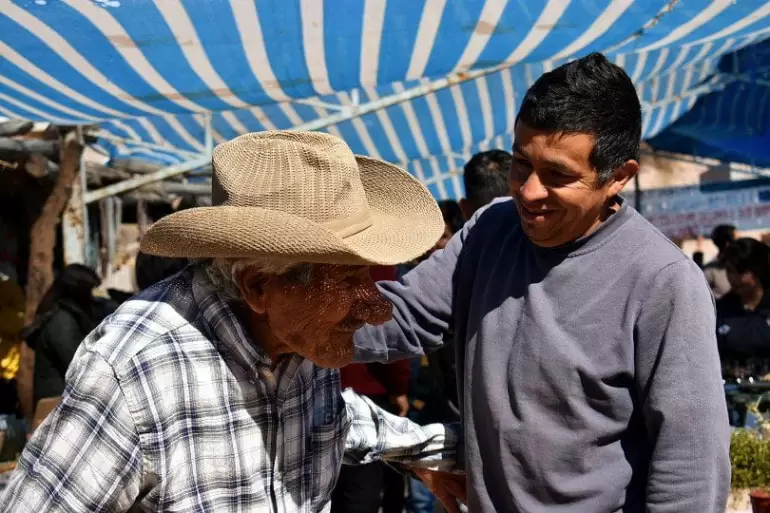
(586, 352)
(217, 390)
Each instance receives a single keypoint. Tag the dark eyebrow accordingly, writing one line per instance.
(560, 166)
(557, 165)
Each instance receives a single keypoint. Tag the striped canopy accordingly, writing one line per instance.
(734, 124)
(153, 76)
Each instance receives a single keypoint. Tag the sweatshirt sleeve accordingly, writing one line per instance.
(422, 309)
(681, 395)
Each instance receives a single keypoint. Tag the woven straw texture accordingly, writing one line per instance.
(302, 197)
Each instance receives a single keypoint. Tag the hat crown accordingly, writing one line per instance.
(312, 175)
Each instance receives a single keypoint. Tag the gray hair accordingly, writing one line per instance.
(222, 274)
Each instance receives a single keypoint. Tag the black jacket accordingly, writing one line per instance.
(55, 336)
(744, 337)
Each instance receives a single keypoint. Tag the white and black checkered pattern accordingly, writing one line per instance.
(170, 407)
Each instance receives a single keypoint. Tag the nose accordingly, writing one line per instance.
(370, 306)
(533, 189)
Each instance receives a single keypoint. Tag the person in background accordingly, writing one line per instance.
(12, 426)
(716, 275)
(588, 370)
(63, 319)
(485, 177)
(151, 269)
(367, 488)
(697, 257)
(11, 325)
(743, 314)
(453, 223)
(148, 270)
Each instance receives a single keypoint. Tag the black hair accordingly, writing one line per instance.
(698, 257)
(749, 255)
(452, 214)
(150, 269)
(486, 177)
(589, 96)
(75, 283)
(723, 235)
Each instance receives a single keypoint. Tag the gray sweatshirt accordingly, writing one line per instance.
(588, 374)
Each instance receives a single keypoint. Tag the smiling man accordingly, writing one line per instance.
(586, 354)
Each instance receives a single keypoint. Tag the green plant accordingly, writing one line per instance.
(750, 457)
(750, 449)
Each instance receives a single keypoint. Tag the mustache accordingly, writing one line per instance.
(365, 312)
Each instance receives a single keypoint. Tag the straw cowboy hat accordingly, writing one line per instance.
(302, 197)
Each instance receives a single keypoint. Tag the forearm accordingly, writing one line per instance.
(378, 435)
(411, 333)
(422, 308)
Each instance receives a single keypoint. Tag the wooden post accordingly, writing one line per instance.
(142, 219)
(75, 235)
(42, 243)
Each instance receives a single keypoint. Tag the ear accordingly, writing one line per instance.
(465, 208)
(252, 287)
(621, 177)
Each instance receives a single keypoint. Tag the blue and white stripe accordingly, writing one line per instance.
(151, 71)
(733, 125)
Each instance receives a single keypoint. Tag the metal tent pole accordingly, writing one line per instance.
(347, 114)
(395, 99)
(199, 160)
(139, 181)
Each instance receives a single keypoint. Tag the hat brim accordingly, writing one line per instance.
(406, 222)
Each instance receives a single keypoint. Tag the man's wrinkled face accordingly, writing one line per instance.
(316, 318)
(558, 192)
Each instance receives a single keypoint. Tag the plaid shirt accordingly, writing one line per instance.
(170, 407)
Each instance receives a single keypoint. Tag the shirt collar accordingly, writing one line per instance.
(226, 326)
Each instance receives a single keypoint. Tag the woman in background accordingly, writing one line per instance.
(63, 319)
(743, 314)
